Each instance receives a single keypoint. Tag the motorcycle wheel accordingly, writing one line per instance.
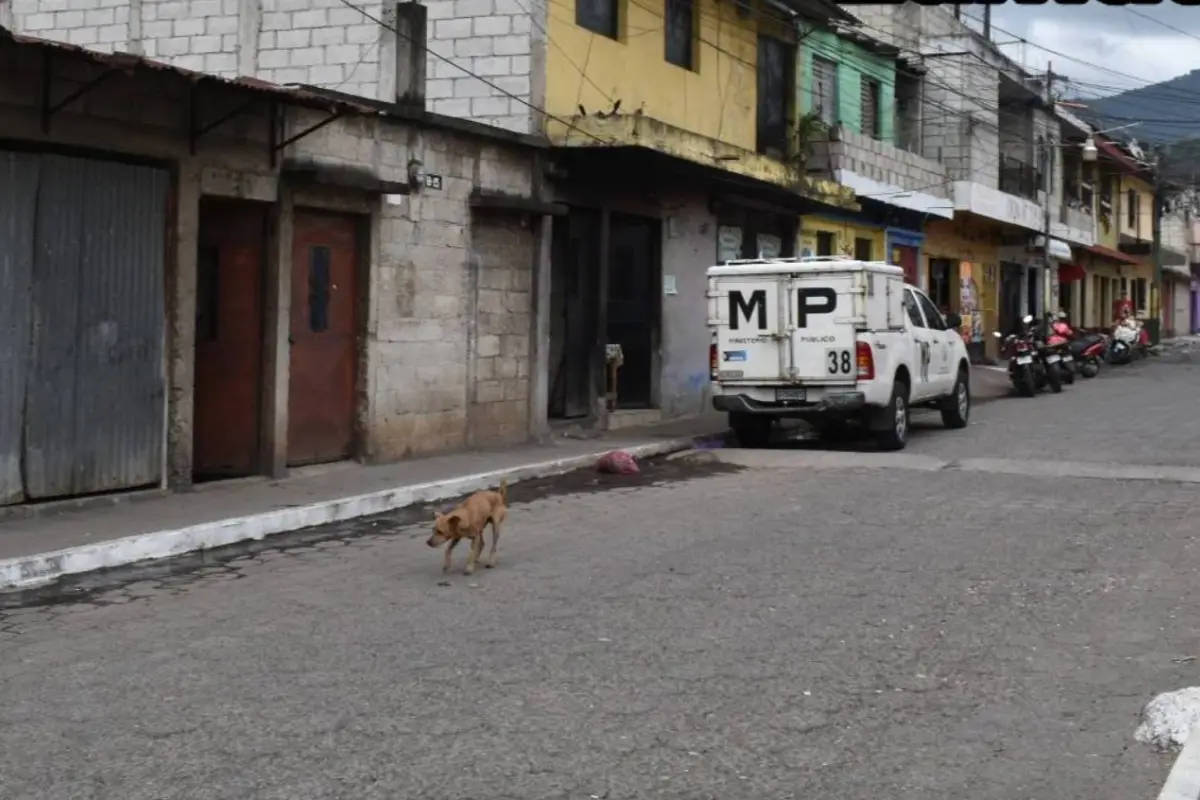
(1053, 379)
(1089, 368)
(1023, 382)
(1068, 375)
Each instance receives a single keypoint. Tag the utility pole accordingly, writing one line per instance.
(1049, 280)
(1156, 309)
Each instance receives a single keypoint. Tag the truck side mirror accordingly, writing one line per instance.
(953, 321)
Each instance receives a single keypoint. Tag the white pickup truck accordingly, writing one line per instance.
(830, 340)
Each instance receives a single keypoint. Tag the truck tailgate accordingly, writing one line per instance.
(825, 312)
(750, 325)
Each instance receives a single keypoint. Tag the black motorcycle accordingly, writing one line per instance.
(1026, 369)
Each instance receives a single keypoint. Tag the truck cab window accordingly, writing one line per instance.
(936, 321)
(914, 313)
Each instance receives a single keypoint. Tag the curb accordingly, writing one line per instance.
(29, 572)
(1183, 782)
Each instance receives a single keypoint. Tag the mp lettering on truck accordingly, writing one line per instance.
(814, 301)
(739, 308)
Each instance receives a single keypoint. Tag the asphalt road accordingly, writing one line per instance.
(850, 626)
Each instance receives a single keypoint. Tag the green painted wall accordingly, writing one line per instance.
(854, 64)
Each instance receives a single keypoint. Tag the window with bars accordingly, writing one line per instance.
(597, 16)
(871, 112)
(825, 243)
(776, 82)
(1131, 209)
(680, 33)
(863, 249)
(825, 89)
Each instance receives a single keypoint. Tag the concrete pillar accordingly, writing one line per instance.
(249, 25)
(411, 19)
(277, 337)
(539, 378)
(181, 325)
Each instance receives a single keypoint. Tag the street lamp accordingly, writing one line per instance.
(1090, 152)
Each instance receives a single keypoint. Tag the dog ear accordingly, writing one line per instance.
(453, 523)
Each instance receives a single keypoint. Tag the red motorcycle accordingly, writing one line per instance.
(1058, 341)
(1085, 350)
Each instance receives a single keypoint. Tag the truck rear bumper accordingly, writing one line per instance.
(841, 403)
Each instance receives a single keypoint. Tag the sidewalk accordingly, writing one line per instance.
(38, 550)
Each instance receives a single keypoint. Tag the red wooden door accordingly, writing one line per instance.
(324, 338)
(906, 257)
(229, 335)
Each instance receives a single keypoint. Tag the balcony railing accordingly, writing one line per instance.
(1019, 178)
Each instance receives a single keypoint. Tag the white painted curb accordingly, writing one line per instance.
(28, 572)
(1183, 783)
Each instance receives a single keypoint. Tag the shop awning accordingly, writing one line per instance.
(1069, 273)
(1115, 255)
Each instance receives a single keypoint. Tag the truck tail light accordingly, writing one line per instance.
(712, 361)
(866, 361)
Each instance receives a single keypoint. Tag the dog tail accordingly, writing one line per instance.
(504, 490)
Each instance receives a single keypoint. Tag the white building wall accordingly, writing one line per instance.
(502, 42)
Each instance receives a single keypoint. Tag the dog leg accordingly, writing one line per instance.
(491, 562)
(449, 555)
(473, 556)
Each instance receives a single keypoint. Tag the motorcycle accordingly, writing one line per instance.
(1127, 334)
(1058, 339)
(1026, 366)
(1090, 350)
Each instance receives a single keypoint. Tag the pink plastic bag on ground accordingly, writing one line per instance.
(618, 462)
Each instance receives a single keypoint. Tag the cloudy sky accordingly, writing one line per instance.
(1124, 47)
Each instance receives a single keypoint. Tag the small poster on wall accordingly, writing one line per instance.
(968, 304)
(769, 246)
(729, 243)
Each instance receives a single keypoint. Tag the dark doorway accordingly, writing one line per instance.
(943, 284)
(633, 307)
(1011, 276)
(324, 338)
(574, 283)
(229, 334)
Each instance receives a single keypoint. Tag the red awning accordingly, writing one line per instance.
(1069, 273)
(1115, 255)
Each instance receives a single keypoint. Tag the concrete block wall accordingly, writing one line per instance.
(882, 162)
(432, 308)
(501, 41)
(503, 251)
(318, 42)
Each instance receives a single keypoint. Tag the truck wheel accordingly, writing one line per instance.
(751, 430)
(895, 419)
(956, 409)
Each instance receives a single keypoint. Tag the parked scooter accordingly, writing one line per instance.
(1090, 350)
(1127, 334)
(1058, 339)
(1026, 365)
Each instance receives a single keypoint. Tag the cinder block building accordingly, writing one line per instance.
(204, 278)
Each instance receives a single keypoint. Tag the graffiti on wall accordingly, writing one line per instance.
(969, 306)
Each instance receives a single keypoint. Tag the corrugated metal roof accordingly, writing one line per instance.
(131, 62)
(306, 96)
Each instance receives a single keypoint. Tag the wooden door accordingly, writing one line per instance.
(324, 338)
(229, 335)
(907, 258)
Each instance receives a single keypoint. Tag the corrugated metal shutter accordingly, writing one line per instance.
(94, 403)
(824, 89)
(18, 193)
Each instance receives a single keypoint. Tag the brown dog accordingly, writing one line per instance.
(467, 521)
